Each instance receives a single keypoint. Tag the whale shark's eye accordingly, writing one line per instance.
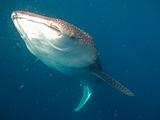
(55, 28)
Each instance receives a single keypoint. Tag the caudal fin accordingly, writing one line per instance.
(108, 79)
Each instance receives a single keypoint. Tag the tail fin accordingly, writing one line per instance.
(107, 78)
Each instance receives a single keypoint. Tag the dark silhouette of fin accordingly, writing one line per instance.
(112, 82)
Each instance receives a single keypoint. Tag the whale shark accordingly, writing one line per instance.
(65, 48)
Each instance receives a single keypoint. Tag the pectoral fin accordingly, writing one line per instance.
(108, 79)
(87, 92)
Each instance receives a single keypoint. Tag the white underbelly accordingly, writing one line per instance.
(74, 58)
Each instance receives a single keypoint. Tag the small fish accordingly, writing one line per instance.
(65, 48)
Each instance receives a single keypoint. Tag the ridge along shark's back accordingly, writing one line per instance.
(64, 47)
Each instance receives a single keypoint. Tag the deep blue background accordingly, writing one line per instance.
(127, 34)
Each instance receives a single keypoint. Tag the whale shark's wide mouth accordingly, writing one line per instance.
(17, 15)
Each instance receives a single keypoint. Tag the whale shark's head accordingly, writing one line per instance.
(37, 29)
(54, 41)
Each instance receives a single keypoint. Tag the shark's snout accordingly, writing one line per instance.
(13, 15)
(16, 14)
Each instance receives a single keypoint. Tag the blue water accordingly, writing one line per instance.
(127, 34)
